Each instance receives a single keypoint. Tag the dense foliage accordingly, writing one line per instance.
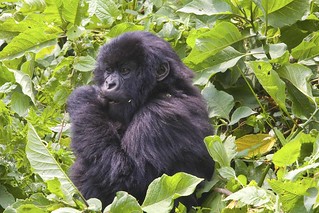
(256, 62)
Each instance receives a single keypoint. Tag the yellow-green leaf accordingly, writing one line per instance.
(255, 144)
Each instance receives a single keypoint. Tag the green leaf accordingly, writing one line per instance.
(270, 81)
(206, 7)
(70, 11)
(310, 199)
(220, 103)
(53, 10)
(31, 21)
(7, 87)
(25, 82)
(220, 62)
(54, 186)
(44, 164)
(124, 202)
(32, 5)
(217, 150)
(20, 103)
(106, 10)
(293, 174)
(299, 76)
(290, 192)
(162, 191)
(227, 172)
(280, 136)
(315, 152)
(208, 44)
(275, 50)
(230, 147)
(308, 48)
(94, 204)
(75, 32)
(84, 63)
(290, 152)
(6, 199)
(284, 12)
(252, 195)
(302, 106)
(6, 76)
(241, 112)
(32, 40)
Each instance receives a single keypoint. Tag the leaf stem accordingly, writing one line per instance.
(309, 120)
(255, 95)
(262, 179)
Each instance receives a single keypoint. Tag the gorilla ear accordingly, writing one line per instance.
(163, 71)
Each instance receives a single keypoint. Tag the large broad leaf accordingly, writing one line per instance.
(220, 103)
(44, 164)
(31, 21)
(270, 81)
(308, 48)
(220, 62)
(206, 7)
(70, 11)
(284, 12)
(106, 10)
(53, 11)
(299, 76)
(208, 44)
(162, 191)
(123, 202)
(32, 40)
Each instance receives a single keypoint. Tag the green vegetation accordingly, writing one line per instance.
(256, 62)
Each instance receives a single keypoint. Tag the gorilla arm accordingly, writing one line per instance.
(166, 136)
(101, 164)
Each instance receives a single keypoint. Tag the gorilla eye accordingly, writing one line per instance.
(125, 70)
(108, 70)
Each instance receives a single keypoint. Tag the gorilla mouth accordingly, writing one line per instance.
(114, 101)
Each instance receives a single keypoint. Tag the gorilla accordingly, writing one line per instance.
(142, 118)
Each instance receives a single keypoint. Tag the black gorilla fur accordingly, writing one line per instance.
(141, 119)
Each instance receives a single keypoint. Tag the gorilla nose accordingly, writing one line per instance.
(111, 86)
(112, 83)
